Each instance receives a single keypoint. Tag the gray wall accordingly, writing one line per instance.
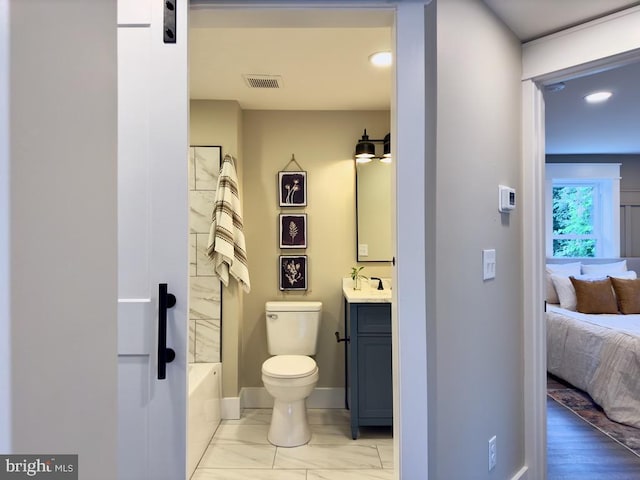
(478, 331)
(63, 231)
(5, 254)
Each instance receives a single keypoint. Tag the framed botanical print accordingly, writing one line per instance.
(293, 230)
(293, 272)
(292, 189)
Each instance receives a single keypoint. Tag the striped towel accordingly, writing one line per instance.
(226, 245)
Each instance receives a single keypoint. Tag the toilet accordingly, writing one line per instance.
(290, 375)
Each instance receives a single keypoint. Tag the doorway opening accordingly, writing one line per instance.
(294, 122)
(534, 174)
(583, 143)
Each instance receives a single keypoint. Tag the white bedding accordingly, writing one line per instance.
(599, 354)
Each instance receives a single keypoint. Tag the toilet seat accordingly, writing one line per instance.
(289, 366)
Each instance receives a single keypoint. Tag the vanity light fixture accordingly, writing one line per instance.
(386, 152)
(366, 149)
(598, 97)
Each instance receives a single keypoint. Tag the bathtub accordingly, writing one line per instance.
(205, 390)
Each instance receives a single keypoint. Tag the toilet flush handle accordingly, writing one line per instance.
(272, 315)
(338, 339)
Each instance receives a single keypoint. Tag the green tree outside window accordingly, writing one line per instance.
(573, 221)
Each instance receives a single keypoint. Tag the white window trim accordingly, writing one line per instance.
(607, 177)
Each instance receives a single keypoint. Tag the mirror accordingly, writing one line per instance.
(373, 212)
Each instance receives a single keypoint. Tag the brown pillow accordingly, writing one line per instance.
(628, 293)
(594, 296)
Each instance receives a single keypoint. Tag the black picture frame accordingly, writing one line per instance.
(292, 189)
(293, 230)
(293, 272)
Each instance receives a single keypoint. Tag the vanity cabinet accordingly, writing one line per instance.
(368, 327)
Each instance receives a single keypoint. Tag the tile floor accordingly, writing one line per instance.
(240, 450)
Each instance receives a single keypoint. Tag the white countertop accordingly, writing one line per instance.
(369, 292)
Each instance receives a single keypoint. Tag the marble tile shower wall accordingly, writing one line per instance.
(204, 287)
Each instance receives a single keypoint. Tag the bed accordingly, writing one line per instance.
(597, 353)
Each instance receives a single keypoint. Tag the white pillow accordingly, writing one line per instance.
(566, 292)
(628, 275)
(604, 268)
(563, 269)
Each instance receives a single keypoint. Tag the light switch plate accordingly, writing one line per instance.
(488, 264)
(363, 250)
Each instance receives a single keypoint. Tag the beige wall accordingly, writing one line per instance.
(220, 123)
(323, 143)
(478, 334)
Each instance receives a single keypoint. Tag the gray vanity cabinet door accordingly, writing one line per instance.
(369, 364)
(374, 379)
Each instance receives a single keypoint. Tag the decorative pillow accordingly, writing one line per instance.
(565, 291)
(594, 296)
(565, 269)
(604, 268)
(567, 294)
(628, 294)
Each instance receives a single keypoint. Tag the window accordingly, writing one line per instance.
(583, 210)
(574, 216)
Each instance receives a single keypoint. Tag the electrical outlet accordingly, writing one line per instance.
(493, 454)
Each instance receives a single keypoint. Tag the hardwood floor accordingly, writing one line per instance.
(579, 451)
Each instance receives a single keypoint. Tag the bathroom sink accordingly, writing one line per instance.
(369, 292)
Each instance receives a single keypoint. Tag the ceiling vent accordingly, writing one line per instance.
(263, 81)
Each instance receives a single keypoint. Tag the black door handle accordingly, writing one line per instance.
(165, 355)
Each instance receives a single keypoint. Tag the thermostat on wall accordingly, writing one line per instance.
(506, 199)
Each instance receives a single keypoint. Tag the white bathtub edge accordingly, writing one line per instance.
(203, 411)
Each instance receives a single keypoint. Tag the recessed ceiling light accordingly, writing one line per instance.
(598, 97)
(381, 59)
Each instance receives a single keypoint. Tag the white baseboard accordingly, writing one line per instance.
(255, 397)
(230, 408)
(523, 474)
(324, 397)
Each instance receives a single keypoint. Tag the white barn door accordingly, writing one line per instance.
(152, 238)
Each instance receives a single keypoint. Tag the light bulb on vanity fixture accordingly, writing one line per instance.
(366, 149)
(381, 59)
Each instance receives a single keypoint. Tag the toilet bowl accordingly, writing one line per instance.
(289, 379)
(290, 375)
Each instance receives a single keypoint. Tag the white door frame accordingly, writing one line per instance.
(413, 150)
(599, 45)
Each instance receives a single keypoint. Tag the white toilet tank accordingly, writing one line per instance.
(292, 327)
